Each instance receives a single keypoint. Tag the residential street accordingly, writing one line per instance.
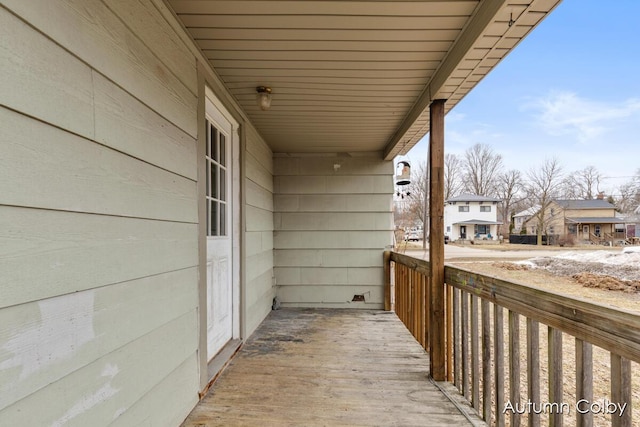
(506, 251)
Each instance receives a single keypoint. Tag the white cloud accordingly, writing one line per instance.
(565, 113)
(455, 117)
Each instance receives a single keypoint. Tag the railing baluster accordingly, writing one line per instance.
(405, 286)
(621, 390)
(498, 345)
(584, 381)
(403, 280)
(425, 317)
(427, 311)
(486, 361)
(465, 343)
(412, 303)
(420, 312)
(397, 284)
(449, 326)
(457, 351)
(418, 306)
(514, 366)
(475, 355)
(533, 370)
(554, 348)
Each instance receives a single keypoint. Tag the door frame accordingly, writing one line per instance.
(207, 99)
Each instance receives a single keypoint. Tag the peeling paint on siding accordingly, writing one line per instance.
(65, 325)
(87, 402)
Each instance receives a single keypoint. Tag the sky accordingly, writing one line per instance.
(570, 90)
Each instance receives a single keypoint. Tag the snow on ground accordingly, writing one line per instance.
(623, 265)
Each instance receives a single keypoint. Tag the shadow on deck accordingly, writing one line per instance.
(309, 367)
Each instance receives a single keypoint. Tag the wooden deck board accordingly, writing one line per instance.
(307, 367)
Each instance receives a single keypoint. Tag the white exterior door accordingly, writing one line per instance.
(220, 231)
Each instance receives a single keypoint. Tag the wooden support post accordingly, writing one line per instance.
(437, 326)
(386, 267)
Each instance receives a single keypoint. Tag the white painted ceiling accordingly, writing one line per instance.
(351, 76)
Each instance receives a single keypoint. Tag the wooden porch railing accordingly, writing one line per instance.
(490, 364)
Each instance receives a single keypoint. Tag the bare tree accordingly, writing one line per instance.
(582, 184)
(509, 189)
(481, 169)
(543, 186)
(629, 199)
(452, 176)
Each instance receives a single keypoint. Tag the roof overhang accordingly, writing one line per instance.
(353, 76)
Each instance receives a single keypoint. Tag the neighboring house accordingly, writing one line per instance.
(151, 210)
(588, 220)
(632, 227)
(469, 217)
(521, 218)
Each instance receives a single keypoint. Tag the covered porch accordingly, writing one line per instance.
(505, 353)
(476, 229)
(338, 367)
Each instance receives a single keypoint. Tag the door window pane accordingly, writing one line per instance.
(223, 184)
(213, 219)
(223, 150)
(216, 182)
(213, 144)
(223, 219)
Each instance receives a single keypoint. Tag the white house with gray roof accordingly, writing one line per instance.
(468, 217)
(520, 218)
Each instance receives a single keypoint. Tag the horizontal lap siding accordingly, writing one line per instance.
(258, 231)
(331, 225)
(98, 215)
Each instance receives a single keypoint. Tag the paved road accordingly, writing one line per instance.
(501, 252)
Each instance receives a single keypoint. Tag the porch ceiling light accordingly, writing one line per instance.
(264, 97)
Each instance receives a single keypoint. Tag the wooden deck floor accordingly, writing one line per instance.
(307, 367)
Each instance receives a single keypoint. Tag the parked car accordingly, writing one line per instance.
(413, 236)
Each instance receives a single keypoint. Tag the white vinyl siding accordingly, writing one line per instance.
(331, 225)
(98, 212)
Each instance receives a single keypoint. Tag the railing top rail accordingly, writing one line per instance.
(417, 264)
